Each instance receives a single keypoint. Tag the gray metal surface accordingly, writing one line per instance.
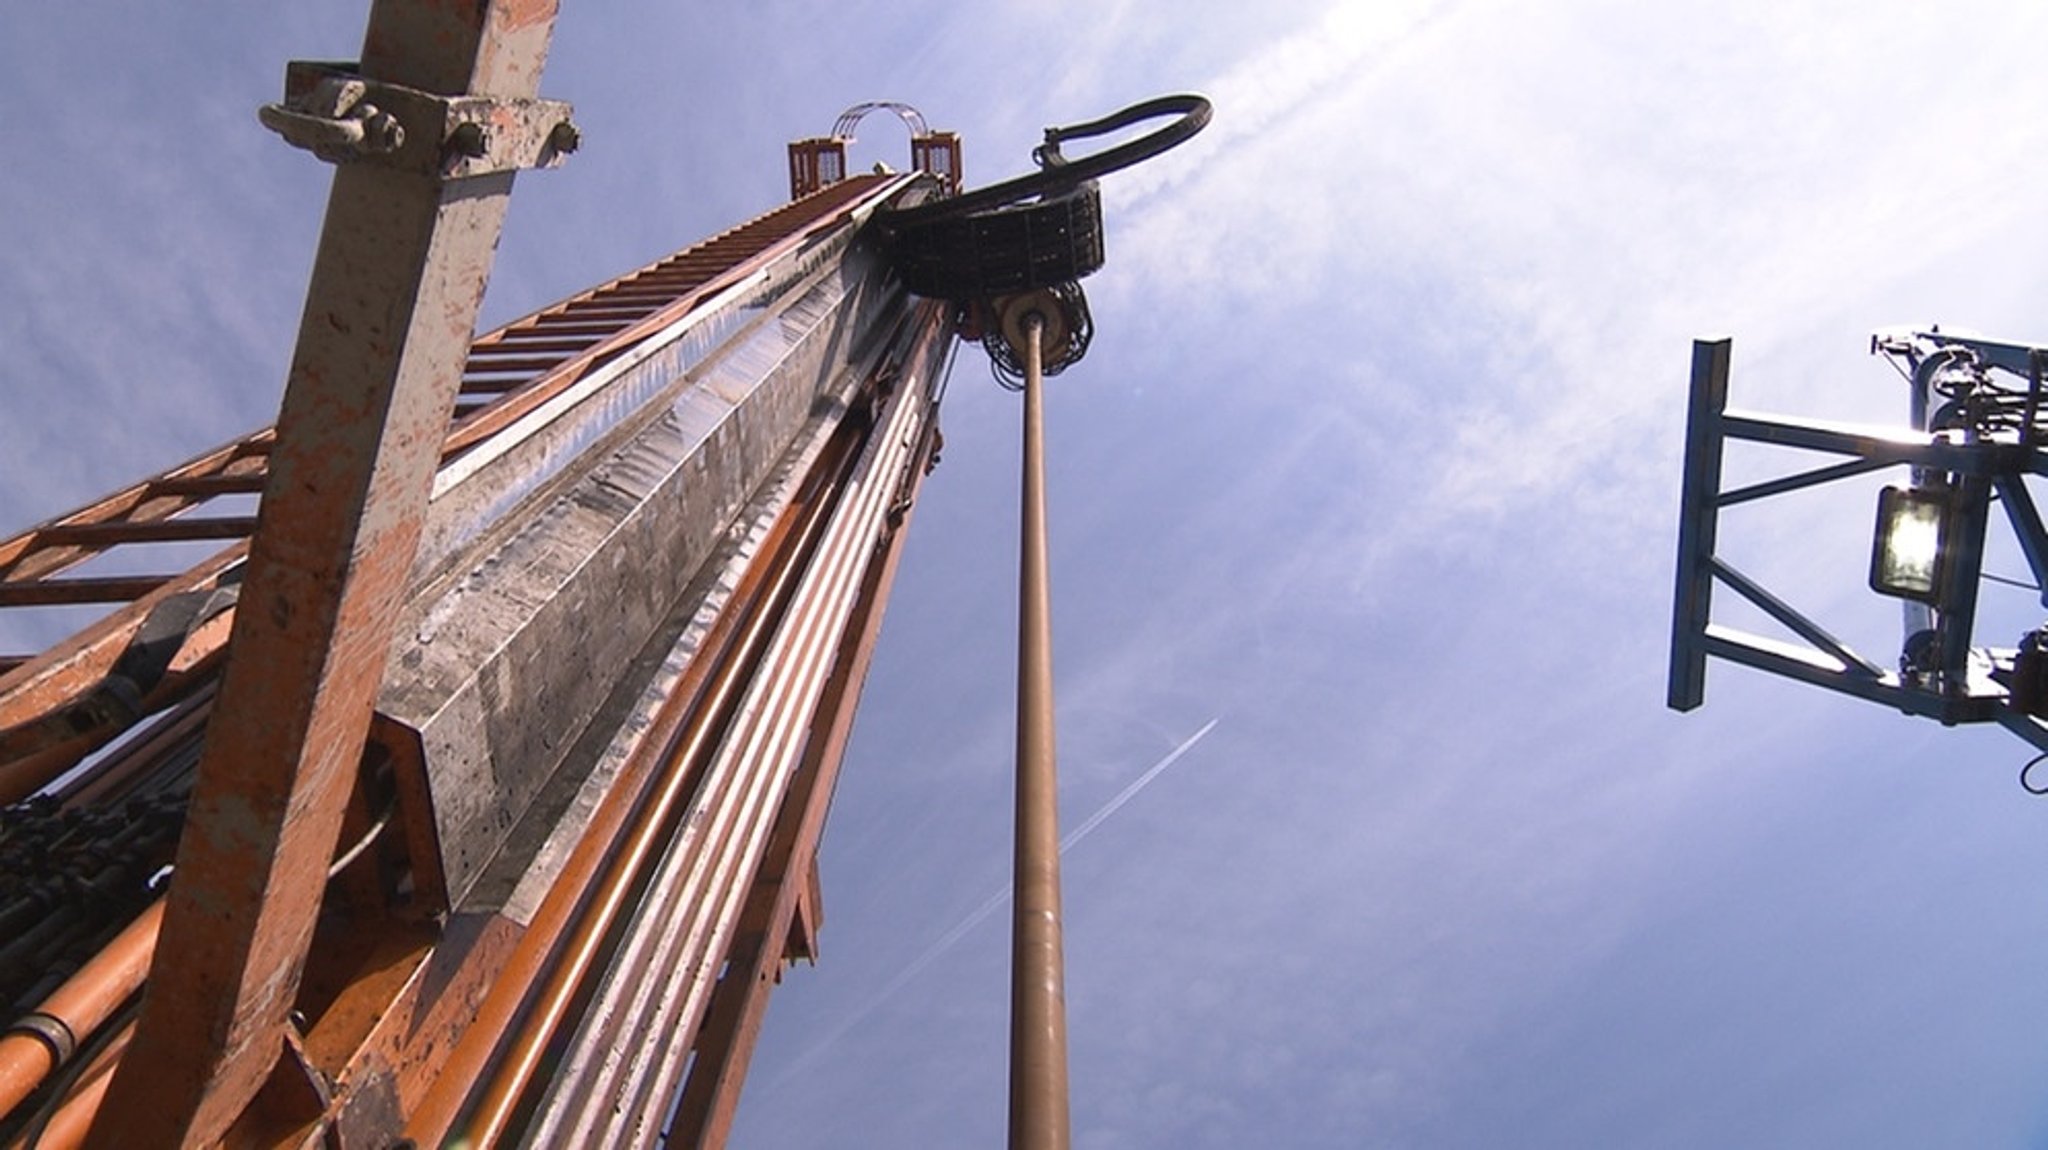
(620, 1071)
(527, 630)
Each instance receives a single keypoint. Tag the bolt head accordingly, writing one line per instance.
(383, 133)
(469, 139)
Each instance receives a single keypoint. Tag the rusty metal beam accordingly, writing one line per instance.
(89, 589)
(401, 269)
(149, 531)
(807, 917)
(31, 693)
(155, 498)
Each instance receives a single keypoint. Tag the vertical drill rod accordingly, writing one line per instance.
(1038, 1010)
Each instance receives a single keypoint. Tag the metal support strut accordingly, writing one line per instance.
(404, 257)
(1038, 1005)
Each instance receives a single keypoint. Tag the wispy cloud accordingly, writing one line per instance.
(1567, 199)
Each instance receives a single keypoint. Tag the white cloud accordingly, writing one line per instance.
(1569, 197)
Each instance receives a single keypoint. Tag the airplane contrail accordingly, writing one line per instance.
(1123, 796)
(975, 917)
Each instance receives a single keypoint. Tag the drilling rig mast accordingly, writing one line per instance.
(472, 790)
(468, 789)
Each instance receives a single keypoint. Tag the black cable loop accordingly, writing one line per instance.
(2028, 769)
(1057, 173)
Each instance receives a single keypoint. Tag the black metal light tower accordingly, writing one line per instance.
(1977, 432)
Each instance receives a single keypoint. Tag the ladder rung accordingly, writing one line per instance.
(493, 386)
(63, 592)
(639, 293)
(145, 531)
(244, 483)
(567, 325)
(527, 364)
(531, 340)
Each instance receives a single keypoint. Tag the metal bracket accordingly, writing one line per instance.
(52, 1031)
(336, 113)
(1962, 683)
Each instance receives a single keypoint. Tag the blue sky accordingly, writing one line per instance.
(1374, 462)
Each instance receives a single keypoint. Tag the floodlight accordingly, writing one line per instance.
(1910, 554)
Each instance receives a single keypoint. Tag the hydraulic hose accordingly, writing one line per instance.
(1057, 174)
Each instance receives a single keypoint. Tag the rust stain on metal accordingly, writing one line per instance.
(526, 13)
(355, 458)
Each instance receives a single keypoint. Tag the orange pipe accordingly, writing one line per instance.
(709, 1099)
(73, 1119)
(85, 1001)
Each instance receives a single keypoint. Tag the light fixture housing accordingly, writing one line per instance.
(1909, 556)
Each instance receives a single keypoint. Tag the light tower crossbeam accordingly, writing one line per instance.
(1942, 677)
